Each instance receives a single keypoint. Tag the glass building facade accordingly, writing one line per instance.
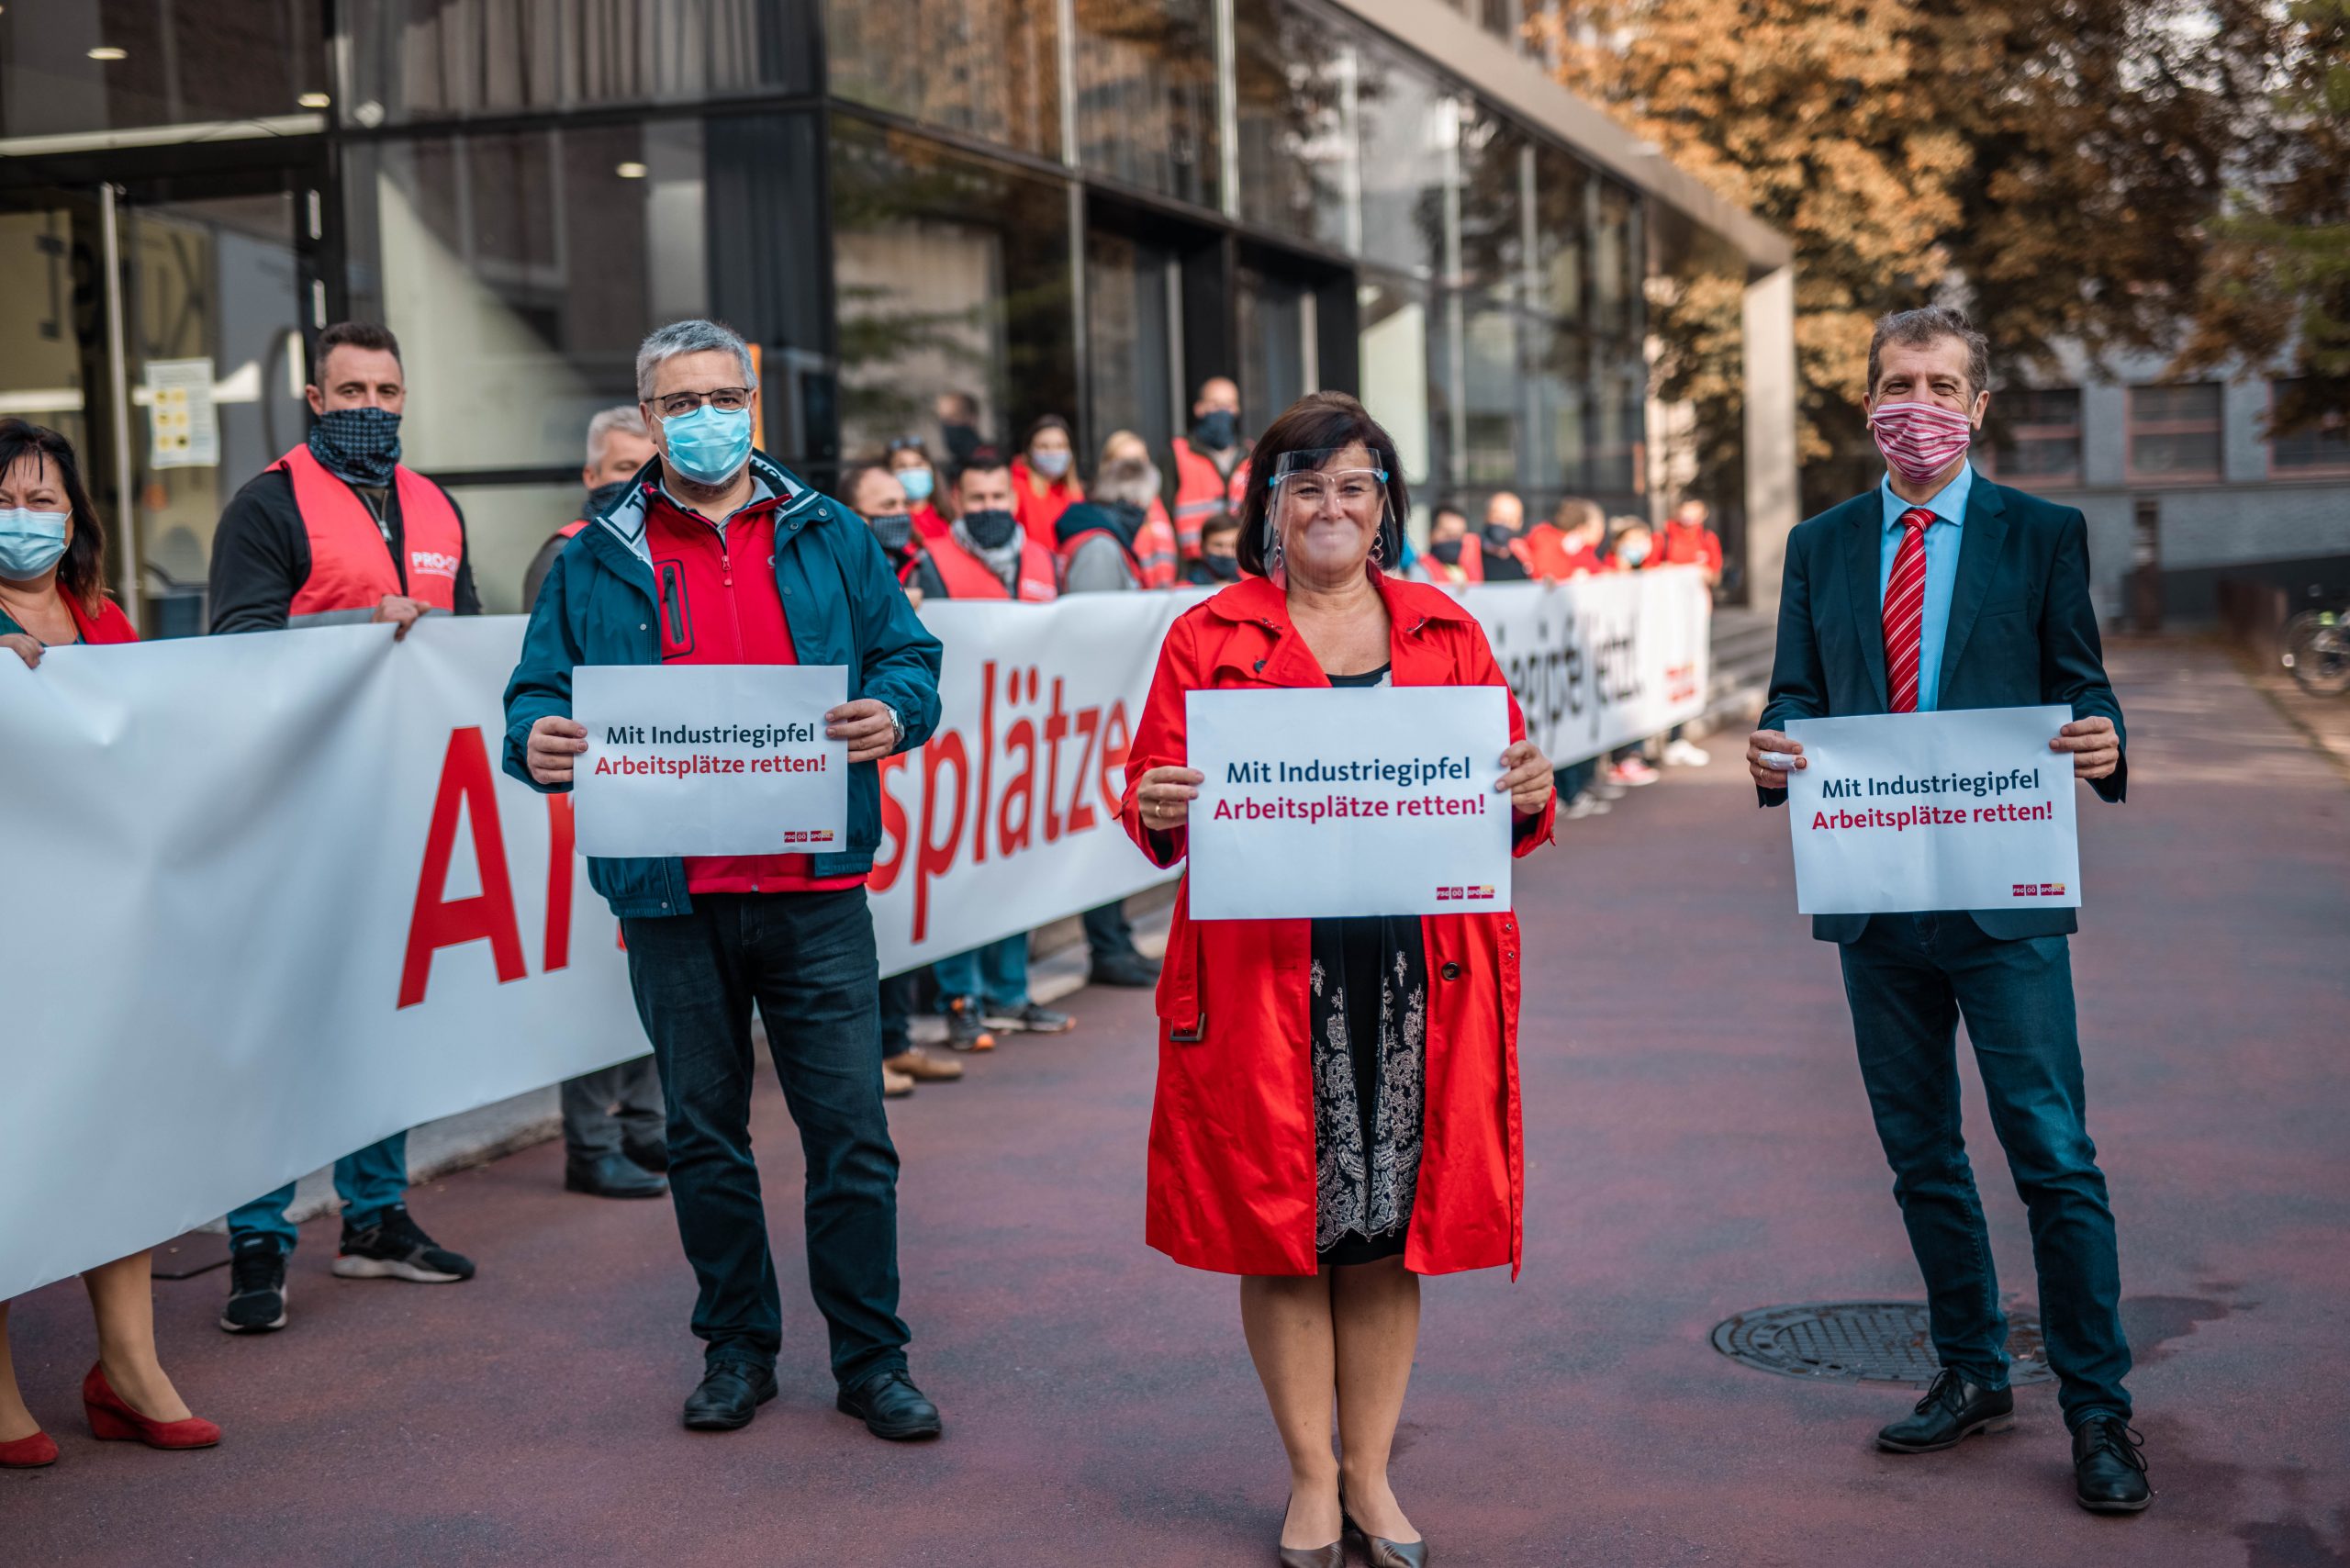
(1081, 208)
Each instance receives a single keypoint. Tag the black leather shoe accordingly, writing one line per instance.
(652, 1153)
(1131, 970)
(891, 1406)
(1952, 1409)
(2108, 1471)
(612, 1176)
(730, 1394)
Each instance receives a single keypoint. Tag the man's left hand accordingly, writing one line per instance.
(2094, 746)
(865, 724)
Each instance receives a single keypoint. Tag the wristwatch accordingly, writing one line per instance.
(897, 727)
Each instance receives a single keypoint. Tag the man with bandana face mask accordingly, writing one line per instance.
(618, 446)
(338, 529)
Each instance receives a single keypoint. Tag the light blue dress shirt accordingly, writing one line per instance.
(1949, 507)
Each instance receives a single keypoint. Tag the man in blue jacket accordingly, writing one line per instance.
(716, 555)
(1939, 589)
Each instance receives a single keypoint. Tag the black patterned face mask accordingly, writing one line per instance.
(894, 529)
(359, 446)
(605, 496)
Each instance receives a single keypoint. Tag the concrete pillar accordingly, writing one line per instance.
(1773, 508)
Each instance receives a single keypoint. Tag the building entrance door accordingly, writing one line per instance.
(159, 329)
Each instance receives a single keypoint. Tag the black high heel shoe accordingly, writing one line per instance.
(1379, 1551)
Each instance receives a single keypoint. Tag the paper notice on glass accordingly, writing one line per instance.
(182, 423)
(1912, 812)
(1320, 803)
(709, 759)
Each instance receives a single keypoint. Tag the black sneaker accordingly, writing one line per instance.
(256, 1286)
(1033, 1018)
(965, 1031)
(396, 1248)
(1131, 970)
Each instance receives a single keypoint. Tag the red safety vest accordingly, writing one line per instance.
(964, 576)
(1069, 548)
(1470, 568)
(1154, 547)
(568, 531)
(1201, 492)
(350, 566)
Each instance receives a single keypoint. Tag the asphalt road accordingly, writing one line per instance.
(1698, 1146)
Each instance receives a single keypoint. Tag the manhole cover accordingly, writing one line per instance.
(1860, 1341)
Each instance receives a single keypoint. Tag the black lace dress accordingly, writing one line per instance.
(1369, 1015)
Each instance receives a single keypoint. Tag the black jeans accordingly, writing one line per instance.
(1910, 978)
(806, 961)
(1108, 933)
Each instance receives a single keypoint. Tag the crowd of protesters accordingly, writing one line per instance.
(339, 531)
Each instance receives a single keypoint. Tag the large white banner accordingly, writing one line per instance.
(271, 897)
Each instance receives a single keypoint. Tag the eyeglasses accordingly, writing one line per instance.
(907, 443)
(725, 399)
(1355, 489)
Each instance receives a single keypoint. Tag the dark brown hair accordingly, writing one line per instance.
(1220, 522)
(353, 335)
(1316, 422)
(853, 476)
(83, 572)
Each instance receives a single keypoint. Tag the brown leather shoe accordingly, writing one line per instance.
(922, 1067)
(895, 1085)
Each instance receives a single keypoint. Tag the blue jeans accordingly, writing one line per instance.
(372, 1180)
(806, 961)
(997, 974)
(1910, 978)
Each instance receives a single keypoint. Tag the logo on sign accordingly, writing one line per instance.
(1446, 894)
(2037, 889)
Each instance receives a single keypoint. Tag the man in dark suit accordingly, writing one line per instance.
(1939, 589)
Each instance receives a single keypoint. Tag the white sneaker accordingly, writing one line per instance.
(1587, 805)
(1685, 753)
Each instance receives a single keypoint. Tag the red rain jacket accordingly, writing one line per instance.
(1231, 1164)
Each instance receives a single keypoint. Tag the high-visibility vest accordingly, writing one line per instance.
(568, 531)
(1070, 547)
(964, 576)
(1201, 491)
(1154, 547)
(1470, 568)
(351, 568)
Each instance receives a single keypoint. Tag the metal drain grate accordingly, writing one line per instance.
(1860, 1341)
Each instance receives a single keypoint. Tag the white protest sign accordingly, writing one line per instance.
(1912, 812)
(1321, 803)
(709, 759)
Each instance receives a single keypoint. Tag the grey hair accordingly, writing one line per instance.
(622, 418)
(1128, 481)
(695, 336)
(1915, 329)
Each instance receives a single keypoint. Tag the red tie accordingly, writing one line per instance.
(1904, 610)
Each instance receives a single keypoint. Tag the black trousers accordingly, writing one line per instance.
(806, 961)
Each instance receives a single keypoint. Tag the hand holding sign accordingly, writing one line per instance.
(2095, 744)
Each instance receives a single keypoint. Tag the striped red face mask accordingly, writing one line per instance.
(1919, 440)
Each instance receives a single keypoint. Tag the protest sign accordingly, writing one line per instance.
(1907, 811)
(709, 759)
(1320, 804)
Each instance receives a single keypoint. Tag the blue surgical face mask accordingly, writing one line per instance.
(917, 483)
(30, 543)
(1051, 464)
(709, 445)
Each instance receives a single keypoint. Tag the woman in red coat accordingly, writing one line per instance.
(52, 591)
(1336, 1111)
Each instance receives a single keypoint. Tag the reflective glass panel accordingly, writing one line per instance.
(1273, 347)
(1294, 81)
(1130, 346)
(1145, 94)
(989, 69)
(1406, 127)
(91, 65)
(1561, 238)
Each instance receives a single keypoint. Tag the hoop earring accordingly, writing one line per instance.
(1379, 546)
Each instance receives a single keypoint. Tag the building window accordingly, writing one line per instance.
(953, 276)
(2175, 433)
(2319, 444)
(1146, 97)
(2037, 438)
(1294, 81)
(70, 66)
(989, 69)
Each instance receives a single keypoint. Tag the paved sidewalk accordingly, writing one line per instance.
(1698, 1146)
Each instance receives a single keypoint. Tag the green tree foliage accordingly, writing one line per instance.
(2050, 164)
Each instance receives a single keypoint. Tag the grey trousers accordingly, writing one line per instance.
(603, 1108)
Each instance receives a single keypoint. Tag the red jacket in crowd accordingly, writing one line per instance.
(1232, 1175)
(1682, 544)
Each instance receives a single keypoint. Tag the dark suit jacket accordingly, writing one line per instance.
(2021, 633)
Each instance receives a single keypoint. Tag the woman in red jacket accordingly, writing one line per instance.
(1331, 1176)
(53, 592)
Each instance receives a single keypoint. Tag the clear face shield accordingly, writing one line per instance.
(1321, 484)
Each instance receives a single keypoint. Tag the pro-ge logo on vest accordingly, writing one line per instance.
(432, 564)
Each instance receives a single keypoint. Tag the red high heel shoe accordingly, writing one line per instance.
(112, 1420)
(28, 1453)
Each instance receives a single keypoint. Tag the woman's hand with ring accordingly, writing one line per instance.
(1166, 796)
